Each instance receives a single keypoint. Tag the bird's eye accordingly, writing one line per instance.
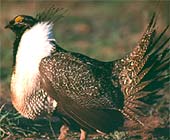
(19, 19)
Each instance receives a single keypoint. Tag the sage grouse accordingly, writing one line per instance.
(94, 95)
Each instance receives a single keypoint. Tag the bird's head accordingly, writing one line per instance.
(21, 23)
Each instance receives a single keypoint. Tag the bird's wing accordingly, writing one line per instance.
(72, 78)
(104, 66)
(144, 71)
(81, 91)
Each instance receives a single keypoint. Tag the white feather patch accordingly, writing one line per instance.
(34, 46)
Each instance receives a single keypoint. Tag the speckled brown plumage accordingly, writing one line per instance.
(136, 66)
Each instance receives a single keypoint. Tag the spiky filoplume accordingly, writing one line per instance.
(92, 94)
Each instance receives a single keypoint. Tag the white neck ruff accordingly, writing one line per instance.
(34, 45)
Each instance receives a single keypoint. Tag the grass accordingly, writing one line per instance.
(98, 29)
(14, 126)
(10, 124)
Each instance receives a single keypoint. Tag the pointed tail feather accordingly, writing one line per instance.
(144, 72)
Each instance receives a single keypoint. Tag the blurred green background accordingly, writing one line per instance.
(104, 30)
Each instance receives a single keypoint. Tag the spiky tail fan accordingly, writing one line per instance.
(144, 71)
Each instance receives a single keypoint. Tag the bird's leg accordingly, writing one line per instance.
(83, 134)
(63, 132)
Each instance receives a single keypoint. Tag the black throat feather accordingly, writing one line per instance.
(15, 48)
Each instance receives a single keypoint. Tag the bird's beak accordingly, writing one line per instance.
(7, 26)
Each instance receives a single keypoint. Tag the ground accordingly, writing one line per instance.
(104, 30)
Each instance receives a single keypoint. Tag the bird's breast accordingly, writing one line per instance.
(29, 99)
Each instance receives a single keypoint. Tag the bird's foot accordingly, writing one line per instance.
(63, 132)
(83, 134)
